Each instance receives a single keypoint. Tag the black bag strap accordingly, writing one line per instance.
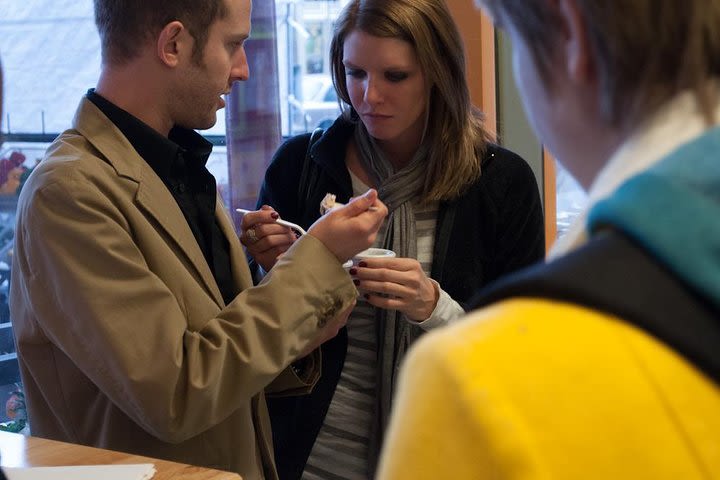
(613, 275)
(308, 176)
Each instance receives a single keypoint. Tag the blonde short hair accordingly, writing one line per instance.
(646, 50)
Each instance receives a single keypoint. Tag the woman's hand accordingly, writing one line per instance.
(264, 239)
(397, 284)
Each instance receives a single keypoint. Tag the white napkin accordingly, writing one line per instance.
(143, 471)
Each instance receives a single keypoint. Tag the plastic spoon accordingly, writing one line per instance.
(279, 221)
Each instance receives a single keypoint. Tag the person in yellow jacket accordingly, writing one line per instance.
(613, 370)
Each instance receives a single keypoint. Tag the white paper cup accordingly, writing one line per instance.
(373, 253)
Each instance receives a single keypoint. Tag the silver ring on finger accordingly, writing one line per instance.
(251, 235)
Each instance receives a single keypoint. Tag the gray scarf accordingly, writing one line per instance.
(395, 334)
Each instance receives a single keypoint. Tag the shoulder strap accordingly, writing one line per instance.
(613, 275)
(309, 173)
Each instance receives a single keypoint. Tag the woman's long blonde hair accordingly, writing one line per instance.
(455, 133)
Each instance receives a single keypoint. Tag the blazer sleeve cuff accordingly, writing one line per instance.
(299, 378)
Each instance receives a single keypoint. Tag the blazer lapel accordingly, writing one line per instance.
(152, 195)
(240, 268)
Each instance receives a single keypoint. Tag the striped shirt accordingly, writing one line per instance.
(341, 449)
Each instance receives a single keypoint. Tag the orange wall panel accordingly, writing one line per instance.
(479, 37)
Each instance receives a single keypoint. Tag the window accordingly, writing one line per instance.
(51, 55)
(304, 31)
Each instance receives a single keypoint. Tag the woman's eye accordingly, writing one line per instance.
(396, 76)
(350, 72)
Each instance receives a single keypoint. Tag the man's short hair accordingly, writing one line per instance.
(647, 50)
(124, 25)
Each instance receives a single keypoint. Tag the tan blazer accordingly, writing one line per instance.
(124, 340)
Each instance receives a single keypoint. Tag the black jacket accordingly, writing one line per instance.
(494, 228)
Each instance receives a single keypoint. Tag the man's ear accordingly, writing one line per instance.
(579, 57)
(172, 43)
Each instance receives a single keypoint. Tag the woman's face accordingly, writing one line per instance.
(387, 87)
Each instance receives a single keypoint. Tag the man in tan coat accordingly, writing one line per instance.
(137, 325)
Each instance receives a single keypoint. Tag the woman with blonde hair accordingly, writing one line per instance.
(463, 212)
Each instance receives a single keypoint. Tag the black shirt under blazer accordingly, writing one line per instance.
(494, 228)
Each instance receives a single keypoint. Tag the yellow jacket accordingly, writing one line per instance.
(535, 389)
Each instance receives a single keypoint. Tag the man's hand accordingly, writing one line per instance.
(351, 229)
